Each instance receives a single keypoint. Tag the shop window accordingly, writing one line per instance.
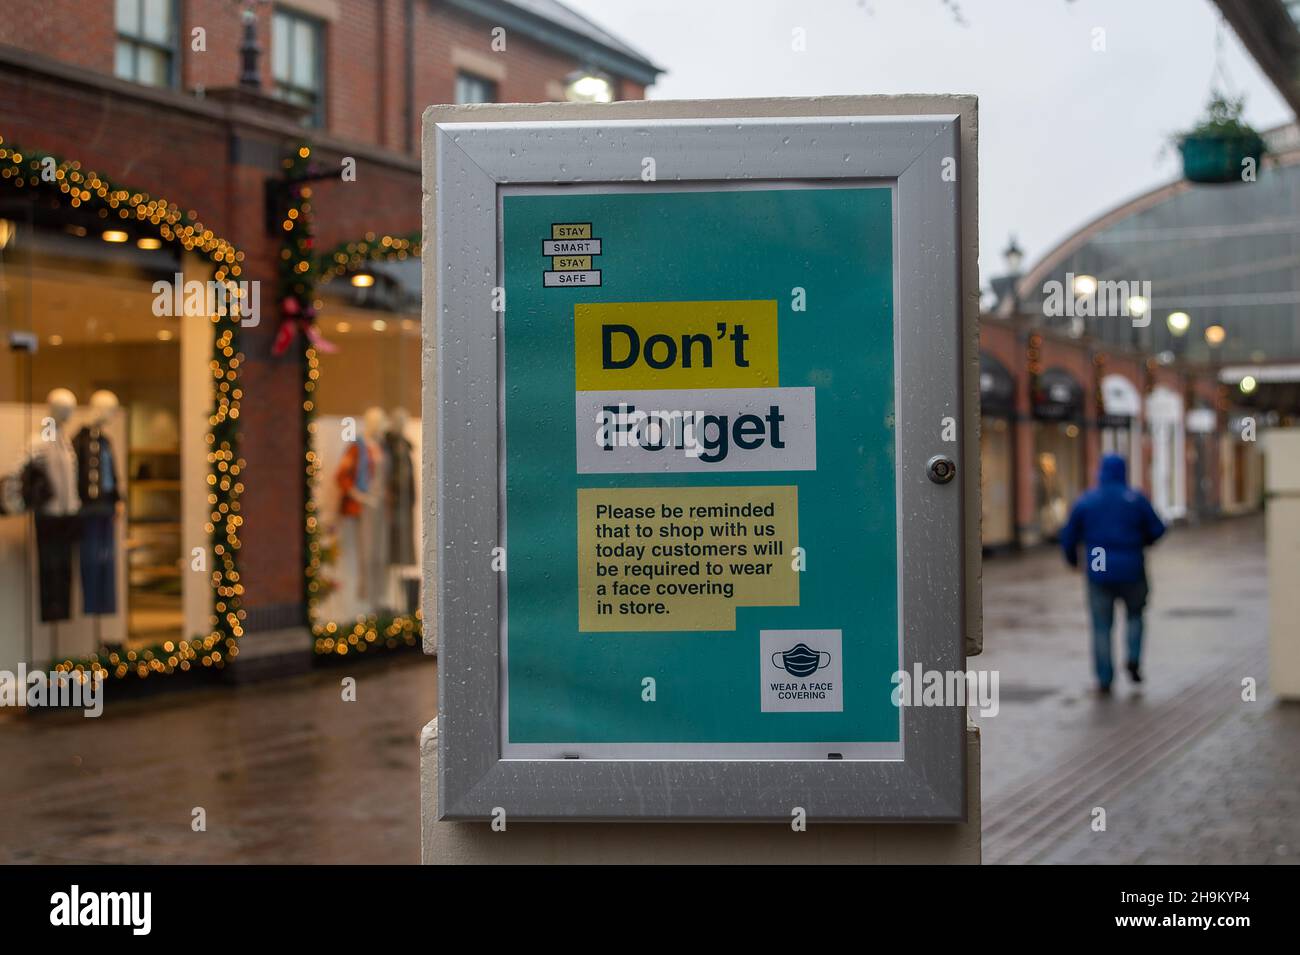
(297, 62)
(474, 89)
(996, 481)
(1057, 401)
(1058, 459)
(146, 42)
(367, 435)
(103, 457)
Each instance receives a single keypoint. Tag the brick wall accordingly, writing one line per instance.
(366, 50)
(208, 159)
(72, 31)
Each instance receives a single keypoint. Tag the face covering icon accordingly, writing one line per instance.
(801, 660)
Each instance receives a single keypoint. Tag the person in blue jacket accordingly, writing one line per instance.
(1114, 523)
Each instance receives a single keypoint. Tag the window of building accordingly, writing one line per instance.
(146, 42)
(474, 89)
(297, 55)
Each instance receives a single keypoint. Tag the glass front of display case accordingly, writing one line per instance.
(366, 438)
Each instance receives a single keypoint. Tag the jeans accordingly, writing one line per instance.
(98, 562)
(1101, 601)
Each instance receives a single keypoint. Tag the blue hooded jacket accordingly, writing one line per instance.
(1116, 518)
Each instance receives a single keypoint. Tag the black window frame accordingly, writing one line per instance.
(285, 90)
(171, 48)
(468, 77)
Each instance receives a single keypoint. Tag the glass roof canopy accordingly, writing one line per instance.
(1225, 255)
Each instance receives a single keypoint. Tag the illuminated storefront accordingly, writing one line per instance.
(1167, 431)
(118, 454)
(364, 519)
(1058, 448)
(997, 457)
(1121, 423)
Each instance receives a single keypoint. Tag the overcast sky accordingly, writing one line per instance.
(1065, 132)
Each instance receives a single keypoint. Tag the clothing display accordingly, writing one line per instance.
(400, 499)
(97, 483)
(97, 486)
(373, 585)
(98, 551)
(50, 476)
(55, 535)
(364, 468)
(49, 488)
(356, 470)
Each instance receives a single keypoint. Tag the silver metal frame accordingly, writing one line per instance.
(472, 162)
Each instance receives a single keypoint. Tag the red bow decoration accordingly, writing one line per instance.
(293, 319)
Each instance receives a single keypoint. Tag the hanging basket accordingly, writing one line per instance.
(1217, 158)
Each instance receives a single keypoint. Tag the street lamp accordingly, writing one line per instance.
(588, 86)
(250, 52)
(1085, 285)
(1247, 384)
(1214, 336)
(1178, 323)
(1014, 257)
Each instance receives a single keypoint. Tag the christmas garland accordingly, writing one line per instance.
(296, 283)
(330, 638)
(85, 189)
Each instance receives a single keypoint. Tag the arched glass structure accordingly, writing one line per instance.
(1223, 255)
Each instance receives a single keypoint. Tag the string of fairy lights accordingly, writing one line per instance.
(368, 632)
(83, 188)
(300, 274)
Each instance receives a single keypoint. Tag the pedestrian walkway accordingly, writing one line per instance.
(286, 772)
(1184, 769)
(290, 772)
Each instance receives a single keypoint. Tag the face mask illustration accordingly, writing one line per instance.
(801, 660)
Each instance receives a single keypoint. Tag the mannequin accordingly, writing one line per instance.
(98, 487)
(362, 478)
(49, 488)
(401, 491)
(374, 526)
(400, 513)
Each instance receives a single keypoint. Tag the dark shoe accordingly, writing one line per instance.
(1104, 691)
(1134, 673)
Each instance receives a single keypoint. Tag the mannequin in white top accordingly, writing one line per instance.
(51, 449)
(49, 472)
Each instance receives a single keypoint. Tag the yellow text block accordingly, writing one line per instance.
(571, 230)
(646, 345)
(683, 559)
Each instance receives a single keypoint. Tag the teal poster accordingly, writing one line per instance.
(700, 517)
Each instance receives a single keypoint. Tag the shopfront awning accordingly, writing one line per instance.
(1120, 401)
(1057, 396)
(997, 388)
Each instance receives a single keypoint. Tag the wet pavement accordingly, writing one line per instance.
(288, 772)
(1184, 769)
